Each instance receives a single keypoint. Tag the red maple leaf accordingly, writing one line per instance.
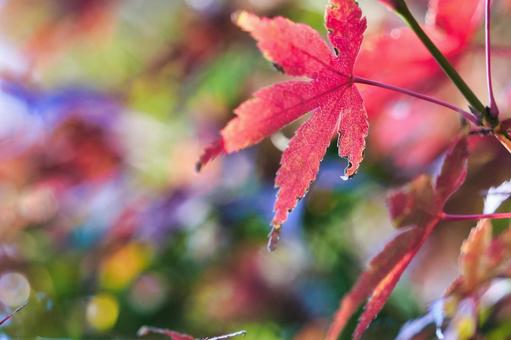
(330, 95)
(451, 25)
(420, 206)
(399, 126)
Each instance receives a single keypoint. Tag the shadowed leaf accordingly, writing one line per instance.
(387, 267)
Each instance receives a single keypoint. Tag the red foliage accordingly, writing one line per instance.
(336, 106)
(425, 205)
(400, 130)
(330, 95)
(449, 36)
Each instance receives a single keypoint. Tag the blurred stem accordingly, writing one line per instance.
(147, 330)
(403, 10)
(469, 116)
(494, 111)
(227, 336)
(454, 217)
(9, 316)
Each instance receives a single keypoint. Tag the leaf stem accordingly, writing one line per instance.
(469, 116)
(228, 336)
(494, 111)
(9, 316)
(469, 95)
(455, 217)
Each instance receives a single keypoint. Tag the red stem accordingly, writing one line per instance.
(9, 316)
(494, 111)
(455, 217)
(469, 116)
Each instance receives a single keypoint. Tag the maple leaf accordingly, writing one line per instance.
(481, 260)
(400, 132)
(420, 203)
(451, 24)
(456, 18)
(472, 261)
(398, 123)
(480, 255)
(330, 96)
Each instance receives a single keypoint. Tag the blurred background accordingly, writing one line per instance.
(105, 106)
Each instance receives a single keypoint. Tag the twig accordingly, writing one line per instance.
(8, 317)
(469, 116)
(227, 336)
(146, 330)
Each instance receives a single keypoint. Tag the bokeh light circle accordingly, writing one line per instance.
(14, 289)
(102, 312)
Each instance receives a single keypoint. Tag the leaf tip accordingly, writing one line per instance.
(274, 237)
(349, 172)
(210, 153)
(347, 177)
(243, 19)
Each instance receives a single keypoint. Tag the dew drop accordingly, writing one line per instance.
(273, 238)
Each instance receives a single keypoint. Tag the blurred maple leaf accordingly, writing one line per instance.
(481, 260)
(481, 257)
(421, 205)
(400, 126)
(452, 24)
(335, 102)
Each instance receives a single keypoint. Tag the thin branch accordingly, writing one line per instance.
(469, 116)
(494, 111)
(8, 317)
(146, 330)
(455, 217)
(227, 336)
